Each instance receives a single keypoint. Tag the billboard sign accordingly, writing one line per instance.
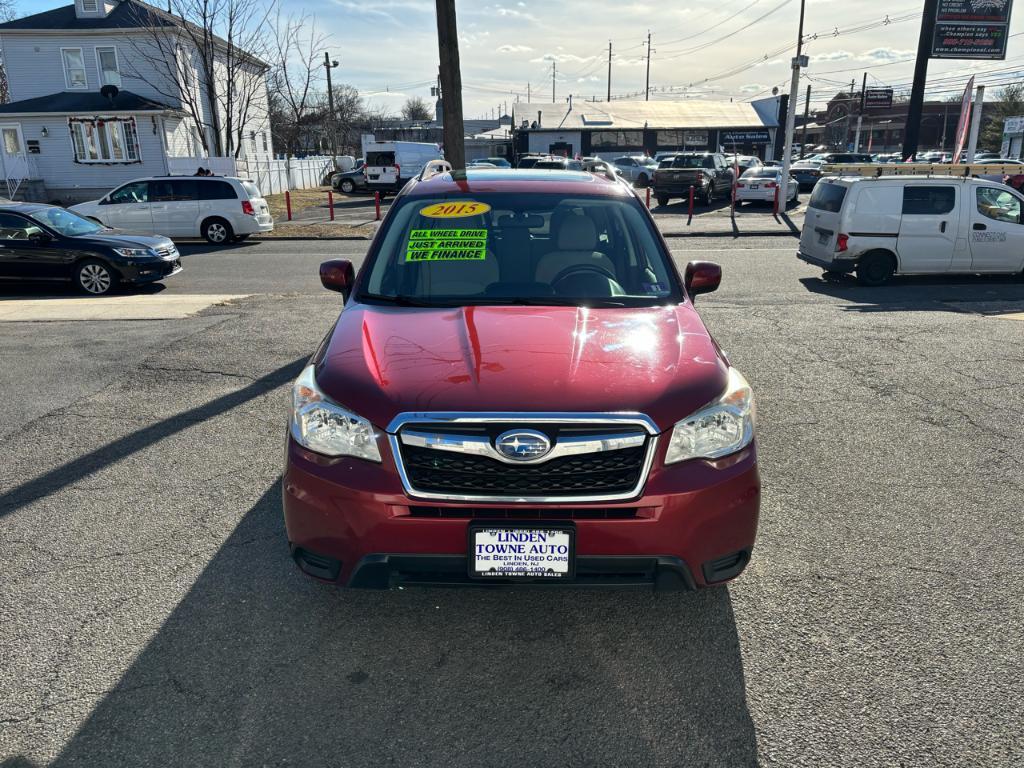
(880, 98)
(971, 29)
(743, 137)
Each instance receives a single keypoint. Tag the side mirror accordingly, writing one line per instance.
(338, 275)
(702, 277)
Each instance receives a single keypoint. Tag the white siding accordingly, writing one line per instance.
(35, 68)
(70, 181)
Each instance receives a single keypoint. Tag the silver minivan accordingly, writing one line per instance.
(220, 209)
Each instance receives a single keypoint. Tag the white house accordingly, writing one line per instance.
(67, 136)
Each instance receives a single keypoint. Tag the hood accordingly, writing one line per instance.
(120, 238)
(382, 361)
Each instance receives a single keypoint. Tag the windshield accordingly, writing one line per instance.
(683, 161)
(760, 173)
(543, 249)
(66, 223)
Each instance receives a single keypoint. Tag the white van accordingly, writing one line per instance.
(878, 227)
(221, 209)
(390, 164)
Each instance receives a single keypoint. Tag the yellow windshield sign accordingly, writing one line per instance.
(447, 245)
(455, 209)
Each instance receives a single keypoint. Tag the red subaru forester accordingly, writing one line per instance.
(519, 389)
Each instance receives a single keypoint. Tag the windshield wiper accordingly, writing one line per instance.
(402, 300)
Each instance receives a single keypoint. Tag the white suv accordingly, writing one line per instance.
(222, 209)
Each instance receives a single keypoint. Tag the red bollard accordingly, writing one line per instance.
(376, 202)
(648, 198)
(330, 203)
(776, 203)
(288, 203)
(691, 200)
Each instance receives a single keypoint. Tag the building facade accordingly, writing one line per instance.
(105, 91)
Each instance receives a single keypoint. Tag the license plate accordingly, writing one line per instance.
(753, 186)
(374, 175)
(521, 553)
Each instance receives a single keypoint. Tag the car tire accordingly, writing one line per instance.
(217, 231)
(348, 186)
(662, 200)
(239, 238)
(94, 277)
(641, 180)
(709, 195)
(875, 268)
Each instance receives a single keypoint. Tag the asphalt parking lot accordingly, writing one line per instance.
(150, 615)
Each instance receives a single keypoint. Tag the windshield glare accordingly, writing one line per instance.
(541, 249)
(66, 223)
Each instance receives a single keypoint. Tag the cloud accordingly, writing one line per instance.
(832, 56)
(753, 88)
(886, 54)
(512, 13)
(562, 58)
(514, 48)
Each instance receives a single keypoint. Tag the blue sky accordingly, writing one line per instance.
(720, 50)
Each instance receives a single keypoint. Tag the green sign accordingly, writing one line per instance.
(447, 245)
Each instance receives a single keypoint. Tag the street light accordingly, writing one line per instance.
(330, 64)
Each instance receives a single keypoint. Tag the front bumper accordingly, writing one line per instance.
(148, 272)
(829, 265)
(351, 522)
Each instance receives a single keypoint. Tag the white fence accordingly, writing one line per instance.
(272, 176)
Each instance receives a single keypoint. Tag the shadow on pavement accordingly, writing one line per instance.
(260, 666)
(980, 294)
(73, 471)
(49, 289)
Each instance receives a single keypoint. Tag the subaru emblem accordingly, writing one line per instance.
(522, 444)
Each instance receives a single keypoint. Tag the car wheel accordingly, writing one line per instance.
(641, 180)
(217, 231)
(94, 277)
(348, 186)
(662, 200)
(875, 268)
(709, 195)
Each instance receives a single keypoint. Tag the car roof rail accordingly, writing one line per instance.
(434, 168)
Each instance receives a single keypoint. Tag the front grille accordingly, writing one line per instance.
(592, 474)
(525, 513)
(166, 251)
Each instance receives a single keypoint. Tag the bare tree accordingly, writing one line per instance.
(209, 56)
(7, 13)
(416, 108)
(296, 71)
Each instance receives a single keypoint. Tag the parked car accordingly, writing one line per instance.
(221, 209)
(878, 227)
(835, 158)
(558, 164)
(745, 162)
(760, 185)
(351, 180)
(390, 164)
(496, 162)
(597, 165)
(637, 168)
(590, 430)
(708, 173)
(806, 173)
(45, 242)
(528, 161)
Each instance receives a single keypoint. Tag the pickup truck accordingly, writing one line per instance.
(709, 173)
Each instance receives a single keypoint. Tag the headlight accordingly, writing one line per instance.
(723, 427)
(137, 253)
(327, 428)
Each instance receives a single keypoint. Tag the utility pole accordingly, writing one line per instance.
(860, 113)
(972, 142)
(609, 98)
(552, 82)
(451, 84)
(807, 115)
(912, 131)
(794, 85)
(527, 93)
(647, 86)
(330, 64)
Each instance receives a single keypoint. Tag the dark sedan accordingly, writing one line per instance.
(350, 181)
(45, 242)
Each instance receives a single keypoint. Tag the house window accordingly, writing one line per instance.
(74, 68)
(12, 144)
(105, 141)
(106, 63)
